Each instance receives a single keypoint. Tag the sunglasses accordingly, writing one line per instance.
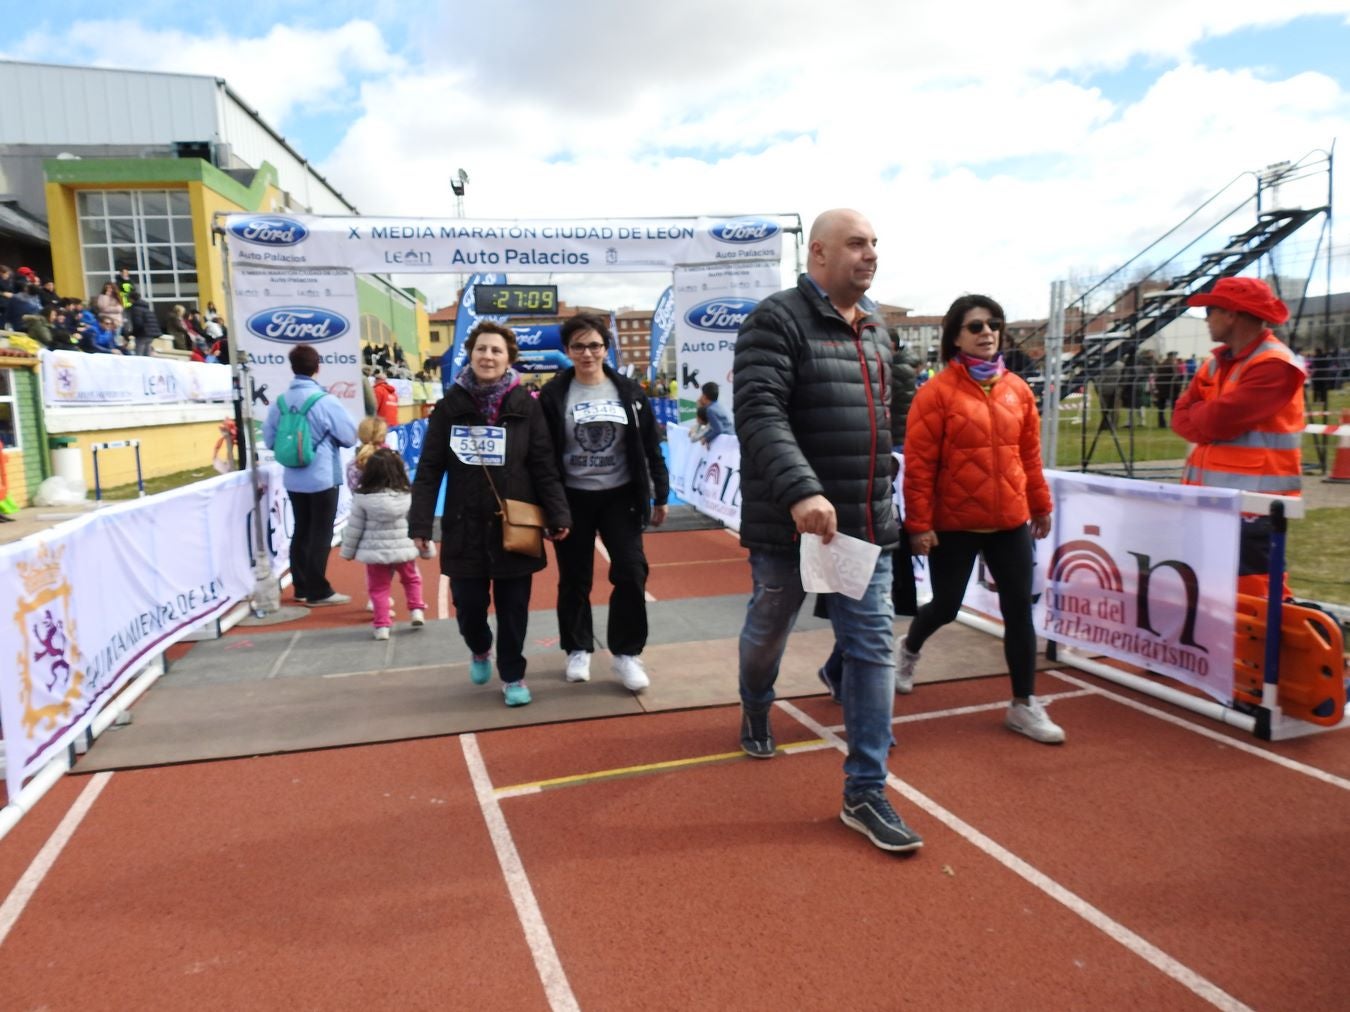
(976, 326)
(594, 348)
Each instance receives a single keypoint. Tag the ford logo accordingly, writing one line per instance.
(269, 230)
(297, 325)
(743, 230)
(725, 315)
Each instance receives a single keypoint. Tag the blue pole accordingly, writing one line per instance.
(140, 482)
(1279, 527)
(98, 489)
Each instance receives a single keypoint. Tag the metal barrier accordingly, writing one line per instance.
(135, 444)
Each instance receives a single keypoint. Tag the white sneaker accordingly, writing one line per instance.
(631, 672)
(1031, 720)
(906, 660)
(381, 632)
(419, 619)
(579, 666)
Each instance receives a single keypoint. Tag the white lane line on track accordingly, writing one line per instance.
(546, 962)
(961, 711)
(1135, 943)
(1242, 746)
(281, 660)
(23, 890)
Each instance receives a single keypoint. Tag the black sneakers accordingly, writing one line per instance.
(872, 815)
(756, 738)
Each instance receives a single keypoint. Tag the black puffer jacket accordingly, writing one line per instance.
(144, 322)
(471, 531)
(642, 443)
(904, 372)
(812, 400)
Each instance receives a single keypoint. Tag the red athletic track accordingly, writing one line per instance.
(366, 877)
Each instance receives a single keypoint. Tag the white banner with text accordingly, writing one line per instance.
(92, 600)
(74, 378)
(711, 303)
(1146, 573)
(458, 245)
(275, 310)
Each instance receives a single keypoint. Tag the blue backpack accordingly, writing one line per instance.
(294, 443)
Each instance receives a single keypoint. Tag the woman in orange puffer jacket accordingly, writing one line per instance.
(973, 486)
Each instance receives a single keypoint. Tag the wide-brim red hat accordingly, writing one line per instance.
(1244, 295)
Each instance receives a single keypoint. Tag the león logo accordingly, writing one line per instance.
(50, 676)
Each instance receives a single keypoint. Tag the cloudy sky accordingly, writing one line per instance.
(995, 146)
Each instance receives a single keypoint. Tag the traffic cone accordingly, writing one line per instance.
(1340, 467)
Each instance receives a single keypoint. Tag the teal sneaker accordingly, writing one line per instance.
(516, 693)
(480, 670)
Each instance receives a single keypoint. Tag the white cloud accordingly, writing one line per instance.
(971, 133)
(286, 70)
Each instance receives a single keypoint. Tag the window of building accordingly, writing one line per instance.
(149, 232)
(9, 417)
(374, 330)
(435, 336)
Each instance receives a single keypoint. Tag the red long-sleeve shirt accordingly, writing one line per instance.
(1266, 387)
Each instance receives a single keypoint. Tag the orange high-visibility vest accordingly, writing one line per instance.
(1268, 457)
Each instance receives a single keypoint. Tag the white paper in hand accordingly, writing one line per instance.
(844, 566)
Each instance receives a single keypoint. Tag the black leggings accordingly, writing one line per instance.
(1007, 554)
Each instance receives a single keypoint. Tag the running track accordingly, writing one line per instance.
(1155, 861)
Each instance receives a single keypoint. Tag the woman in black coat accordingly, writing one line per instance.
(609, 454)
(488, 431)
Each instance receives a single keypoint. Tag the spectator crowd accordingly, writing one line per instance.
(117, 321)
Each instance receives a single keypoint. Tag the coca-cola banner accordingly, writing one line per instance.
(458, 245)
(275, 310)
(710, 305)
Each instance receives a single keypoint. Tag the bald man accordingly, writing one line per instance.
(813, 383)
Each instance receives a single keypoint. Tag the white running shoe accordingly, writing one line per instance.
(579, 666)
(1031, 720)
(419, 619)
(906, 660)
(381, 632)
(631, 672)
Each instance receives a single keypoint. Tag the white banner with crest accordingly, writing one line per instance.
(711, 303)
(91, 601)
(458, 245)
(277, 309)
(77, 378)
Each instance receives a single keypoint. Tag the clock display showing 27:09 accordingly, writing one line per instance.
(516, 300)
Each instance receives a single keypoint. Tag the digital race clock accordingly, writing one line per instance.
(516, 300)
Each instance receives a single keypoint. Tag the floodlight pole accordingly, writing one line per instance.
(1052, 373)
(458, 184)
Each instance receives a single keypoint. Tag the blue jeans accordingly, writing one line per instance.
(863, 633)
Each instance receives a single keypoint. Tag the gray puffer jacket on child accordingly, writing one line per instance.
(377, 529)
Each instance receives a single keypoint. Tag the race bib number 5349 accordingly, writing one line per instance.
(479, 444)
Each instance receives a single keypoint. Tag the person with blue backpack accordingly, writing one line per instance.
(305, 428)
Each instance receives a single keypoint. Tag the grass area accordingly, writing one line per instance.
(161, 484)
(1317, 555)
(1149, 441)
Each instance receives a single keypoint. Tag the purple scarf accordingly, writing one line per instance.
(982, 371)
(488, 399)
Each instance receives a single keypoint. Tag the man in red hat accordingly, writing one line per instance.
(1244, 411)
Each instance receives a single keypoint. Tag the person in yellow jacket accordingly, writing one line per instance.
(1244, 411)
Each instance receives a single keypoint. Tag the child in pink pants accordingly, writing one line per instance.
(377, 534)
